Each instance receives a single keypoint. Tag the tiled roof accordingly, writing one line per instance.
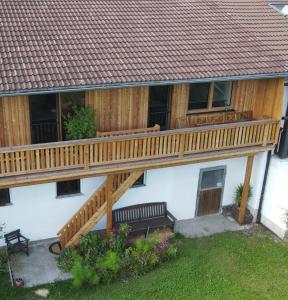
(48, 44)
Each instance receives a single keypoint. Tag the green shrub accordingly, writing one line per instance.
(118, 240)
(102, 259)
(239, 191)
(65, 260)
(83, 274)
(80, 124)
(3, 261)
(109, 266)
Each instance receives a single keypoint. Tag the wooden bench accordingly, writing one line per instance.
(194, 120)
(15, 242)
(144, 217)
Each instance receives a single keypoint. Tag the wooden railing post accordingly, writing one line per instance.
(182, 145)
(109, 202)
(265, 135)
(277, 132)
(245, 191)
(86, 156)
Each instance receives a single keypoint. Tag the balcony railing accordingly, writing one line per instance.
(32, 159)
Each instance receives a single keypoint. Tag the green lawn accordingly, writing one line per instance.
(226, 266)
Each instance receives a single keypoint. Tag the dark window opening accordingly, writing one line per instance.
(198, 95)
(69, 187)
(47, 113)
(159, 106)
(140, 181)
(44, 121)
(4, 197)
(210, 95)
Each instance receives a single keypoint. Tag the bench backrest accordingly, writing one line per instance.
(11, 236)
(139, 212)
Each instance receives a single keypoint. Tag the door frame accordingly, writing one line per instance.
(222, 167)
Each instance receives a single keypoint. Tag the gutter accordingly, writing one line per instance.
(138, 84)
(258, 218)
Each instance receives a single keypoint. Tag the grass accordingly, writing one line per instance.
(251, 265)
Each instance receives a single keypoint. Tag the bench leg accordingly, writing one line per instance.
(147, 232)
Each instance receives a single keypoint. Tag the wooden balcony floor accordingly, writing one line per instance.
(140, 165)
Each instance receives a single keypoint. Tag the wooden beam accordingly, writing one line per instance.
(245, 192)
(109, 202)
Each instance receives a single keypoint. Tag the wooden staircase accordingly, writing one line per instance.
(95, 207)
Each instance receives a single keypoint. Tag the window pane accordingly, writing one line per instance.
(68, 187)
(4, 197)
(222, 94)
(213, 178)
(139, 181)
(198, 95)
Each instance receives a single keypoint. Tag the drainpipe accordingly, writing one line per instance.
(258, 219)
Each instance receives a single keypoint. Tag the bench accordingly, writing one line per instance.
(16, 242)
(144, 217)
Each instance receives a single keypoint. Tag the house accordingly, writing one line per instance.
(210, 73)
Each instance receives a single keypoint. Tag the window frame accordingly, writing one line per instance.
(210, 107)
(70, 194)
(8, 203)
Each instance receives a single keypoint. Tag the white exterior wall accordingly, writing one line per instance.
(40, 214)
(276, 197)
(276, 194)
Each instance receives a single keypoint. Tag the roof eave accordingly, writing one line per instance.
(137, 84)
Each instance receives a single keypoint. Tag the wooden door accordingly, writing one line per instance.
(211, 184)
(209, 202)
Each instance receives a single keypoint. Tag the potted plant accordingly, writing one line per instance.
(236, 207)
(19, 282)
(80, 124)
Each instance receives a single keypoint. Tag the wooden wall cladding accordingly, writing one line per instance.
(119, 109)
(263, 96)
(179, 103)
(14, 121)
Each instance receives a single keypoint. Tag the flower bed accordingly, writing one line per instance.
(100, 259)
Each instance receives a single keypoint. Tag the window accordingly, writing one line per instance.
(70, 187)
(222, 94)
(282, 8)
(4, 197)
(198, 95)
(209, 96)
(212, 179)
(140, 181)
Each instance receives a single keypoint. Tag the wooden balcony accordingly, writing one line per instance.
(83, 158)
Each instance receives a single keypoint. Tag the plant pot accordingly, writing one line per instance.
(19, 282)
(248, 218)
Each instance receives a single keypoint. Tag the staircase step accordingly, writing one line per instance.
(95, 208)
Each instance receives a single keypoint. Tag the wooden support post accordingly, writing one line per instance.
(245, 192)
(109, 202)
